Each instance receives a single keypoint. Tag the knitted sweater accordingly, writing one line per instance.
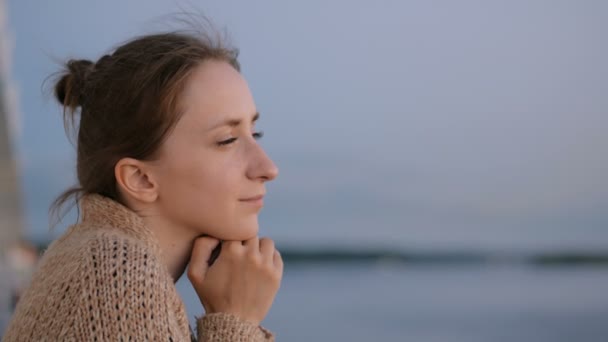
(104, 280)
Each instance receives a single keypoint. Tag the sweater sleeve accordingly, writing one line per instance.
(126, 295)
(226, 327)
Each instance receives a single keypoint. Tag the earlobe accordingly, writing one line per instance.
(134, 180)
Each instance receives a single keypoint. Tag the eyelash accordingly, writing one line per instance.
(256, 135)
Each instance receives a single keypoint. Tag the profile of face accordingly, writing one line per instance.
(211, 165)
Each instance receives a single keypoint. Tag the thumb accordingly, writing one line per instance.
(199, 260)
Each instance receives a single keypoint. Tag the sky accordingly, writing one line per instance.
(421, 124)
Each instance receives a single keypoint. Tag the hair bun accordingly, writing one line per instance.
(70, 87)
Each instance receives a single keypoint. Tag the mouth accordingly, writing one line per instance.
(255, 200)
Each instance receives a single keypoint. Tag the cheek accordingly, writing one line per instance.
(199, 177)
(201, 191)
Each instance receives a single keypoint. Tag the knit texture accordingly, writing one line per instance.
(104, 280)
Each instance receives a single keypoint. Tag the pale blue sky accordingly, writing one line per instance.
(416, 123)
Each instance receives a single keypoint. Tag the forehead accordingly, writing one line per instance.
(214, 92)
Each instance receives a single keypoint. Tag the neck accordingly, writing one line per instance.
(175, 243)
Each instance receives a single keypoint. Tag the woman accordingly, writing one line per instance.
(168, 166)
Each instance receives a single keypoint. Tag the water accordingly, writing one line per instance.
(389, 302)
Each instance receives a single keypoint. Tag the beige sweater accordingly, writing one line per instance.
(104, 280)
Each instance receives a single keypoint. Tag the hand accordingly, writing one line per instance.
(244, 279)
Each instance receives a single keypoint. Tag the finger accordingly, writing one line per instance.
(233, 247)
(267, 249)
(278, 260)
(252, 245)
(201, 253)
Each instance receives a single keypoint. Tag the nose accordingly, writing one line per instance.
(261, 166)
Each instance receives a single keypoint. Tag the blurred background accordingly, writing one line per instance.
(443, 163)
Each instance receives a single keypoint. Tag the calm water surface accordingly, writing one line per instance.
(387, 302)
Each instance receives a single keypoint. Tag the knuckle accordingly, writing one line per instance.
(271, 244)
(233, 254)
(268, 240)
(276, 275)
(255, 259)
(268, 267)
(233, 247)
(193, 276)
(202, 241)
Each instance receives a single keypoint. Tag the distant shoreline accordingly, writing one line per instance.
(445, 257)
(341, 254)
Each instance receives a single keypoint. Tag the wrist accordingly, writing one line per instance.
(218, 324)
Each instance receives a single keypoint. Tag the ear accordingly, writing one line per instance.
(135, 180)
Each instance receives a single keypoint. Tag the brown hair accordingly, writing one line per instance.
(127, 103)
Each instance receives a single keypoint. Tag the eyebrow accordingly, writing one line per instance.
(234, 122)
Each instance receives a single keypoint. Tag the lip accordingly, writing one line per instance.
(255, 200)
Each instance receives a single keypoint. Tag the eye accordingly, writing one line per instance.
(256, 135)
(226, 142)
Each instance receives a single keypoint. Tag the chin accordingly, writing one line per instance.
(244, 231)
(249, 233)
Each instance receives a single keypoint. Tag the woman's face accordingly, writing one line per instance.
(211, 163)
